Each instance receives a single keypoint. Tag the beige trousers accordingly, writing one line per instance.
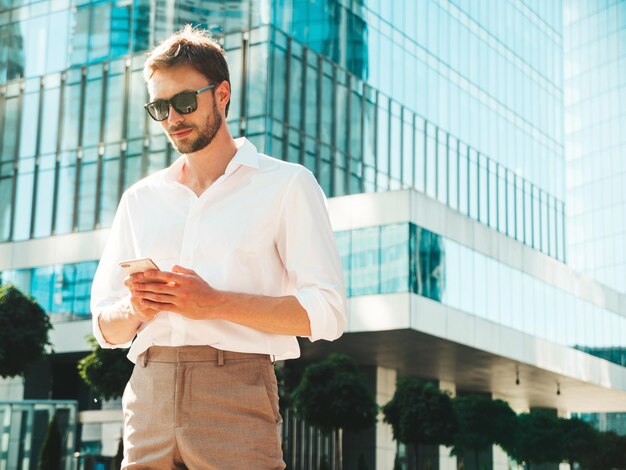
(196, 407)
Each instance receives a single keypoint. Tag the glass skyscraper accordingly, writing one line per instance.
(435, 127)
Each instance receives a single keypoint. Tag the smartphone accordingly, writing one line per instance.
(133, 266)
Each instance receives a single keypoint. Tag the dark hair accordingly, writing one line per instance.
(194, 47)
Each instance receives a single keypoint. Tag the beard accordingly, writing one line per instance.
(205, 135)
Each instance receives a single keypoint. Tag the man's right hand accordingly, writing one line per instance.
(143, 313)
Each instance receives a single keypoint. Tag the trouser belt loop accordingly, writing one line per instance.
(220, 357)
(145, 358)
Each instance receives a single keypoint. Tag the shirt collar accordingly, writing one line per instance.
(246, 155)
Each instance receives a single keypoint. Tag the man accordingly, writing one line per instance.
(247, 261)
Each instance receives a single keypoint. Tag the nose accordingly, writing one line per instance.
(174, 117)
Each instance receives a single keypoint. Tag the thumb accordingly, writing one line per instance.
(179, 269)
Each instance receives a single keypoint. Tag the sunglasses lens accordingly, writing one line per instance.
(185, 103)
(158, 110)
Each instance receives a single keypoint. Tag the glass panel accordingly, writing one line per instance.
(327, 108)
(431, 269)
(365, 265)
(109, 184)
(431, 161)
(442, 166)
(420, 154)
(114, 106)
(93, 106)
(382, 147)
(80, 39)
(42, 286)
(483, 197)
(311, 98)
(71, 111)
(50, 120)
(453, 173)
(278, 82)
(502, 195)
(395, 147)
(473, 183)
(394, 258)
(45, 196)
(295, 91)
(24, 198)
(87, 190)
(100, 35)
(65, 197)
(341, 107)
(519, 209)
(545, 240)
(528, 214)
(510, 192)
(463, 179)
(407, 149)
(28, 131)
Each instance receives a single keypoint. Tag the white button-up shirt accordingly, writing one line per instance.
(261, 228)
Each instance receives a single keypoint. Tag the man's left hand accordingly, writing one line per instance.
(183, 291)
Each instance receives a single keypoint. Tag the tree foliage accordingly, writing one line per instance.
(538, 438)
(106, 370)
(420, 413)
(333, 394)
(24, 328)
(482, 423)
(580, 440)
(609, 454)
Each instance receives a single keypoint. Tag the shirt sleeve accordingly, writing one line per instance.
(308, 250)
(108, 291)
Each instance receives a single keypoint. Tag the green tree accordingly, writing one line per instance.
(580, 441)
(538, 438)
(610, 453)
(333, 395)
(50, 456)
(24, 328)
(482, 422)
(420, 413)
(106, 370)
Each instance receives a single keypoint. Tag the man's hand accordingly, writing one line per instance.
(181, 291)
(143, 312)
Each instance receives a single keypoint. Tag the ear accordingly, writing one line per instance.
(222, 94)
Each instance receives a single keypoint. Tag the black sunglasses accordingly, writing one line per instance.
(183, 103)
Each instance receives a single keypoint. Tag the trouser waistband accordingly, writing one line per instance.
(195, 354)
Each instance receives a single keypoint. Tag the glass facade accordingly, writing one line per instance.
(407, 258)
(63, 289)
(595, 107)
(299, 98)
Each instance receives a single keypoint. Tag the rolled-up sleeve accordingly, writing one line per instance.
(308, 249)
(108, 291)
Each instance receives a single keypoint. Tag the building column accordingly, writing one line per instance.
(385, 445)
(12, 389)
(447, 461)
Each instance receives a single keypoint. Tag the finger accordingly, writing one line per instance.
(161, 275)
(145, 303)
(180, 269)
(158, 287)
(161, 298)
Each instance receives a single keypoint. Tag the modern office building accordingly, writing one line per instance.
(595, 102)
(435, 127)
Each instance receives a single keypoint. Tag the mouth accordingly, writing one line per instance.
(181, 134)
